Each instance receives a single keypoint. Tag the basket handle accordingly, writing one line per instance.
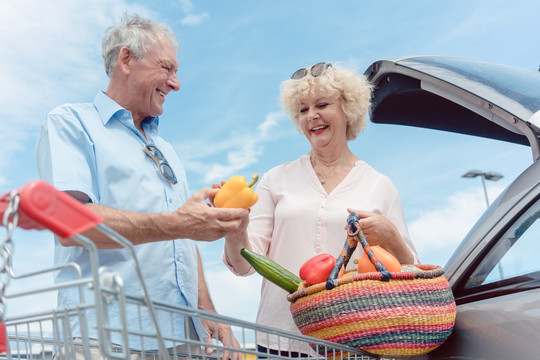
(354, 235)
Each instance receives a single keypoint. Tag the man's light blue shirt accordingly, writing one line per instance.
(94, 148)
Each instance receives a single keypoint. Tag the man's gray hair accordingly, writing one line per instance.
(135, 33)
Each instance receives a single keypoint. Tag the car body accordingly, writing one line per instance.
(495, 271)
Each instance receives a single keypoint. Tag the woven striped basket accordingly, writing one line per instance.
(394, 315)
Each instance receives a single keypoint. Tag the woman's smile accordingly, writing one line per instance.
(319, 129)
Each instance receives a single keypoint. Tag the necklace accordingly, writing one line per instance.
(344, 160)
(323, 178)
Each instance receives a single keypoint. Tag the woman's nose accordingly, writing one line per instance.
(312, 113)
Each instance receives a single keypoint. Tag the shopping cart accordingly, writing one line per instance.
(46, 333)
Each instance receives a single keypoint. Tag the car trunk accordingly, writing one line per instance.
(458, 95)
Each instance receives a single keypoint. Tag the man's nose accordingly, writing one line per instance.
(173, 82)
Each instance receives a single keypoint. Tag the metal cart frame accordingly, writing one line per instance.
(47, 334)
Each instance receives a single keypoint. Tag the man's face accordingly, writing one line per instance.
(151, 79)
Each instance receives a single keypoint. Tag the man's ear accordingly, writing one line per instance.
(125, 57)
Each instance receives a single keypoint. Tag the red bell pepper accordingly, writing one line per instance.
(317, 269)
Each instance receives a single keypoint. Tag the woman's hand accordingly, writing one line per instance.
(215, 186)
(378, 230)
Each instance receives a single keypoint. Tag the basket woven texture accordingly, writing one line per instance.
(409, 314)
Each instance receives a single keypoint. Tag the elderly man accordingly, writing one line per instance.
(108, 154)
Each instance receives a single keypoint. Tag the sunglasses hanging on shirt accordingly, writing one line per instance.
(165, 170)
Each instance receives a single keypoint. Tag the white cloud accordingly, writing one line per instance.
(241, 149)
(272, 119)
(438, 232)
(51, 56)
(32, 251)
(186, 5)
(194, 19)
(234, 296)
(243, 155)
(52, 53)
(482, 19)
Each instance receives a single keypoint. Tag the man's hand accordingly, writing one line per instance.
(223, 333)
(199, 221)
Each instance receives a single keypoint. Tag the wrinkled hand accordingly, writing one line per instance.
(199, 221)
(377, 229)
(223, 333)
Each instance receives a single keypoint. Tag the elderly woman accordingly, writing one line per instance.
(303, 204)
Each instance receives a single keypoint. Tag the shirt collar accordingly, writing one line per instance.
(150, 120)
(108, 109)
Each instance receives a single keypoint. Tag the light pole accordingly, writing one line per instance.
(490, 175)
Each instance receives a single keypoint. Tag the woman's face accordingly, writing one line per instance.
(322, 121)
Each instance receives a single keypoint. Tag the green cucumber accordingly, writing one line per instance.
(272, 271)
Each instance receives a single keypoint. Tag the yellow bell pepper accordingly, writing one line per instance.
(236, 193)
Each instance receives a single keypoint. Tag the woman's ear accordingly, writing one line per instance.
(124, 59)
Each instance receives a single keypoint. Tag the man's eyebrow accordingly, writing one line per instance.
(171, 64)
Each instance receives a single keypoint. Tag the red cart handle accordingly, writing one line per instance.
(41, 206)
(3, 339)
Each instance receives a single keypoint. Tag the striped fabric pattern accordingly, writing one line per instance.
(409, 315)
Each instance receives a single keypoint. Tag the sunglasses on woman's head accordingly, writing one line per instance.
(162, 165)
(316, 70)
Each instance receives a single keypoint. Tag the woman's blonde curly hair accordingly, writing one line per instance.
(353, 91)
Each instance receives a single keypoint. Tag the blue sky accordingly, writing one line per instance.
(226, 118)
